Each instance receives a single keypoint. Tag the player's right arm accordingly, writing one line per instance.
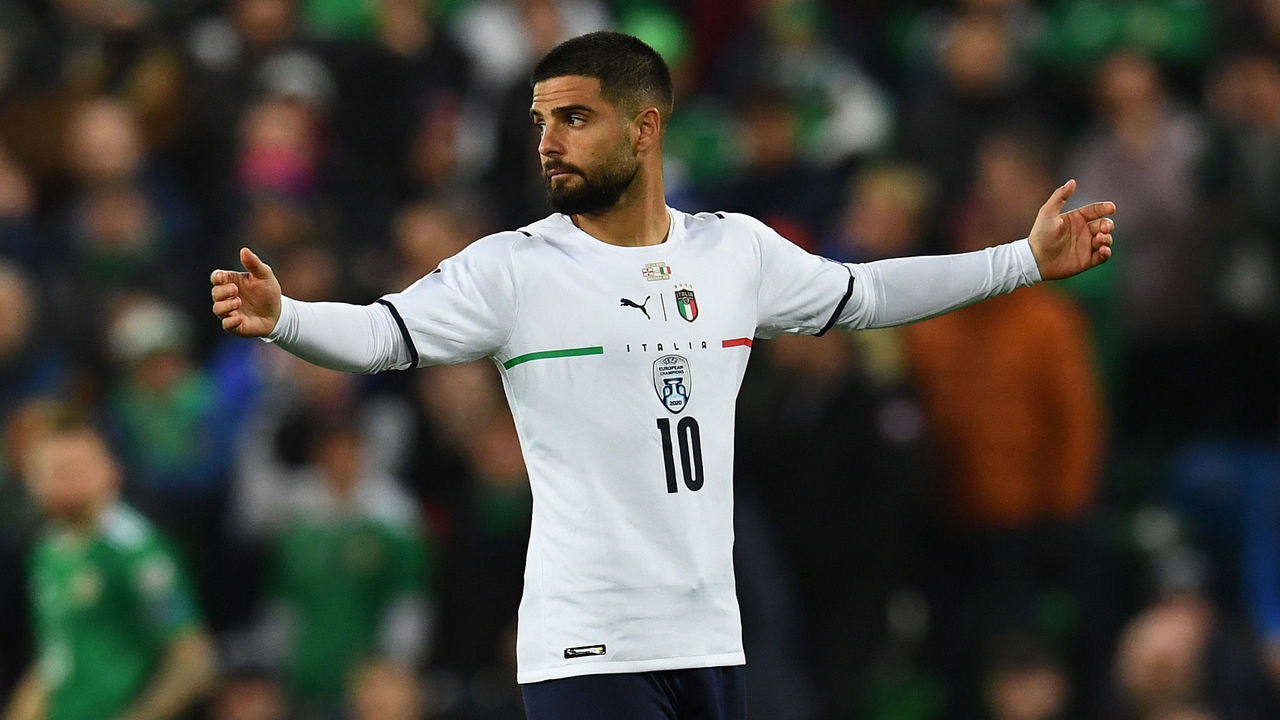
(28, 701)
(464, 310)
(338, 336)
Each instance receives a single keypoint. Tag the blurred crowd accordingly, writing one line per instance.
(1060, 504)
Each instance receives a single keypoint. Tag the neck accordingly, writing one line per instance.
(639, 218)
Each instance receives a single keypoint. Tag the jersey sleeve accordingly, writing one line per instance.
(463, 310)
(903, 290)
(166, 601)
(799, 292)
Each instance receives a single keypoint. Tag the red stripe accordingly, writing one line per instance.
(736, 342)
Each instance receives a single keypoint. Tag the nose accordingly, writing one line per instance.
(549, 143)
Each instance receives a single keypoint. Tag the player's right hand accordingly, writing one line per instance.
(248, 303)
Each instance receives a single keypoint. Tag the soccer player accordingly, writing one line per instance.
(621, 328)
(118, 634)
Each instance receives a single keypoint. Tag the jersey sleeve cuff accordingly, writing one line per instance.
(284, 324)
(1027, 261)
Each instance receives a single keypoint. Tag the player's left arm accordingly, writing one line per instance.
(903, 290)
(186, 672)
(1065, 244)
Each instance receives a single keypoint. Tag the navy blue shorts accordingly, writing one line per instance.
(698, 694)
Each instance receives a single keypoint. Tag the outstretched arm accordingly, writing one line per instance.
(904, 290)
(338, 336)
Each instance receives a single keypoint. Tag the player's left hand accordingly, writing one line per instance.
(1068, 243)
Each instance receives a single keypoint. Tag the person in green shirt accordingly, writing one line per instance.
(349, 574)
(118, 632)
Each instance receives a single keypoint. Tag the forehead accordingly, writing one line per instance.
(564, 91)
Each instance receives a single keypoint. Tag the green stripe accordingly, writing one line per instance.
(544, 354)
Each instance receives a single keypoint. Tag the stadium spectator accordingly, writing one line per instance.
(785, 46)
(492, 532)
(453, 404)
(249, 695)
(30, 363)
(982, 87)
(384, 691)
(425, 234)
(19, 234)
(823, 413)
(166, 416)
(1016, 420)
(124, 216)
(1180, 651)
(775, 182)
(1026, 681)
(351, 573)
(1160, 144)
(401, 90)
(1241, 172)
(885, 214)
(118, 629)
(24, 426)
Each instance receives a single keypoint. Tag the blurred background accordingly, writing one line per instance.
(1063, 503)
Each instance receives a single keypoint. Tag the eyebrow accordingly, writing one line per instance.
(563, 110)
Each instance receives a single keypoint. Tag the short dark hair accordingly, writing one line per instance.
(632, 75)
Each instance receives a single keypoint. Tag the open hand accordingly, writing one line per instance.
(248, 303)
(1068, 243)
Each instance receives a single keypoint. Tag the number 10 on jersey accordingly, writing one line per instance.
(690, 441)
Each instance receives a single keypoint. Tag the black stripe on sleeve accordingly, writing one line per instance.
(413, 350)
(526, 234)
(839, 308)
(719, 215)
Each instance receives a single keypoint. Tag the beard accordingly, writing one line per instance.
(598, 190)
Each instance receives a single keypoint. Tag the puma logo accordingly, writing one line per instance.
(631, 303)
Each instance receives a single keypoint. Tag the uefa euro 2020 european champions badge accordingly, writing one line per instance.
(672, 381)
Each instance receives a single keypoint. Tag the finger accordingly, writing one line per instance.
(1058, 200)
(231, 322)
(224, 291)
(1103, 254)
(220, 277)
(1094, 211)
(1101, 225)
(226, 307)
(254, 265)
(1101, 239)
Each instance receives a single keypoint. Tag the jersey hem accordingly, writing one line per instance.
(633, 666)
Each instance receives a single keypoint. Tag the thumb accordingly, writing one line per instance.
(254, 265)
(1058, 200)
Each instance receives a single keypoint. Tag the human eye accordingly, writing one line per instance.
(576, 120)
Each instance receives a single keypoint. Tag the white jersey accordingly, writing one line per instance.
(622, 367)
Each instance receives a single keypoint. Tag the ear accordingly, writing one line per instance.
(648, 129)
